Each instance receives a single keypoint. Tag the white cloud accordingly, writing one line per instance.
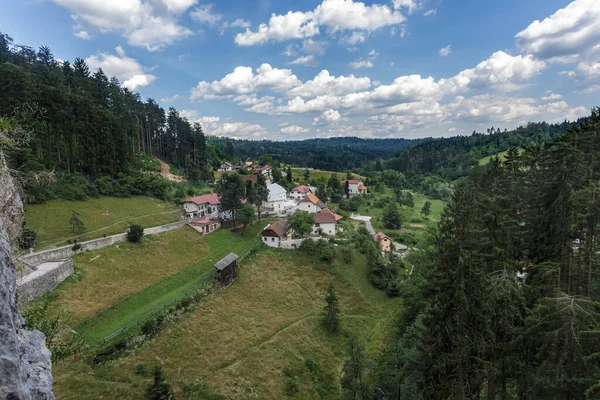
(212, 125)
(444, 51)
(430, 13)
(204, 14)
(330, 116)
(586, 76)
(360, 64)
(188, 114)
(129, 71)
(373, 54)
(83, 35)
(333, 15)
(152, 24)
(314, 47)
(324, 83)
(305, 60)
(237, 23)
(244, 81)
(355, 38)
(293, 130)
(551, 96)
(566, 35)
(410, 5)
(169, 99)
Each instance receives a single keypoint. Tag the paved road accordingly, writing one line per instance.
(367, 221)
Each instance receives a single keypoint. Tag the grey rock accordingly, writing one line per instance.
(25, 366)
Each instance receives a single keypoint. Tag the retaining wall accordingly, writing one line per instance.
(46, 277)
(95, 244)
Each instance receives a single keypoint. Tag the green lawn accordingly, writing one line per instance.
(162, 293)
(486, 160)
(104, 215)
(239, 341)
(413, 222)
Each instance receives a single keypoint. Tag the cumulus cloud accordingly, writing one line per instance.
(444, 51)
(213, 125)
(169, 99)
(566, 35)
(309, 61)
(83, 35)
(127, 70)
(330, 116)
(324, 83)
(355, 38)
(204, 14)
(293, 130)
(314, 47)
(360, 64)
(244, 81)
(332, 15)
(551, 96)
(409, 5)
(586, 76)
(152, 24)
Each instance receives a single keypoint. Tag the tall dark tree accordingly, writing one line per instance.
(231, 190)
(331, 321)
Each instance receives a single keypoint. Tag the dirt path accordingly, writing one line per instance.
(165, 171)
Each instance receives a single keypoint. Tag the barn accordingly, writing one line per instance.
(226, 270)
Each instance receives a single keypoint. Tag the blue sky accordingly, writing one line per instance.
(297, 69)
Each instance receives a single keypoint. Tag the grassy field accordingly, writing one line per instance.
(413, 222)
(105, 276)
(486, 160)
(104, 215)
(298, 174)
(241, 340)
(136, 306)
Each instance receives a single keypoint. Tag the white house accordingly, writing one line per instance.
(311, 204)
(266, 171)
(226, 167)
(299, 192)
(276, 201)
(356, 186)
(205, 206)
(326, 221)
(274, 233)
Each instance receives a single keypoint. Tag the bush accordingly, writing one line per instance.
(76, 247)
(28, 238)
(135, 233)
(140, 369)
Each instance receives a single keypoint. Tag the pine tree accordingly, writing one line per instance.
(331, 321)
(77, 225)
(288, 175)
(426, 210)
(261, 193)
(391, 217)
(160, 389)
(231, 190)
(354, 380)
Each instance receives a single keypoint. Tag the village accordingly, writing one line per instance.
(205, 214)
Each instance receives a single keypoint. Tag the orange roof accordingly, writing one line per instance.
(362, 187)
(380, 236)
(211, 198)
(311, 198)
(326, 216)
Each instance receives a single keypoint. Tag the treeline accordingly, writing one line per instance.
(85, 122)
(504, 301)
(332, 154)
(452, 158)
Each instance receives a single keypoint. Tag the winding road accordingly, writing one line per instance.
(366, 220)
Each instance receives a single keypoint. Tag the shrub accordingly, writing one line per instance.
(159, 389)
(76, 247)
(28, 238)
(140, 369)
(135, 233)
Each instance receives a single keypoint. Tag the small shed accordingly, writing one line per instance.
(226, 270)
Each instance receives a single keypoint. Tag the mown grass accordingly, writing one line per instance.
(105, 276)
(104, 215)
(161, 294)
(240, 341)
(298, 174)
(414, 223)
(486, 160)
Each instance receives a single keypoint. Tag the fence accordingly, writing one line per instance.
(249, 251)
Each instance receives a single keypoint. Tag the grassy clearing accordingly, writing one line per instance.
(239, 341)
(486, 160)
(414, 224)
(298, 174)
(104, 215)
(218, 244)
(105, 276)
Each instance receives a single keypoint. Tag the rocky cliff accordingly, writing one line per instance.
(25, 367)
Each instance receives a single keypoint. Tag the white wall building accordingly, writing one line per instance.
(277, 198)
(311, 204)
(299, 192)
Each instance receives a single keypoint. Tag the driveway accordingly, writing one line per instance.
(367, 221)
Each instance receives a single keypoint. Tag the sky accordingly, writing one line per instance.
(287, 70)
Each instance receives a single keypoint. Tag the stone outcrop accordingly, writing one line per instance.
(25, 366)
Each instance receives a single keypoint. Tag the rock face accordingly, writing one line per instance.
(25, 366)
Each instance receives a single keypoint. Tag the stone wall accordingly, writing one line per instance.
(46, 277)
(63, 252)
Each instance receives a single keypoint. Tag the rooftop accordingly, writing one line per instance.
(211, 198)
(326, 216)
(380, 236)
(279, 227)
(226, 261)
(311, 198)
(301, 189)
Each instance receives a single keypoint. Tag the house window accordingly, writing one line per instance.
(317, 225)
(330, 231)
(272, 239)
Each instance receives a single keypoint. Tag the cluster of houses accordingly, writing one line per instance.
(250, 167)
(204, 213)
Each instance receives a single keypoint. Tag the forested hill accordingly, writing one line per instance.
(454, 157)
(334, 154)
(87, 123)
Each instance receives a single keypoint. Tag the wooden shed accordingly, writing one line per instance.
(226, 270)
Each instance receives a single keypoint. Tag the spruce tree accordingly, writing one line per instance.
(331, 321)
(160, 389)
